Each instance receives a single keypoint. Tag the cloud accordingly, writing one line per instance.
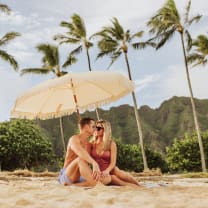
(11, 86)
(175, 82)
(147, 81)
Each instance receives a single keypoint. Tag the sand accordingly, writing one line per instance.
(155, 192)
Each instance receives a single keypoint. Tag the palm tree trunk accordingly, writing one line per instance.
(137, 117)
(194, 108)
(62, 135)
(90, 69)
(88, 58)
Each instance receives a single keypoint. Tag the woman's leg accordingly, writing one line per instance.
(125, 176)
(117, 181)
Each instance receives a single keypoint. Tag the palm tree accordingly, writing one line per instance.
(50, 61)
(77, 34)
(50, 64)
(114, 41)
(163, 25)
(4, 8)
(199, 56)
(6, 39)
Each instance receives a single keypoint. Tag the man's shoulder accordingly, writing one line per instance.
(74, 138)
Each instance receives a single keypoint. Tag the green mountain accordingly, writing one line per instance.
(160, 126)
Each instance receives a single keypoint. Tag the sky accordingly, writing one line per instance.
(158, 75)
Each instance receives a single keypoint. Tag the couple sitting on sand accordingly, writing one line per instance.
(87, 163)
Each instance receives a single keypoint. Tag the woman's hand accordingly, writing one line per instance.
(105, 173)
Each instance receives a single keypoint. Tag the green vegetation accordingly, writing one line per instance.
(129, 157)
(24, 145)
(163, 25)
(160, 126)
(184, 154)
(4, 40)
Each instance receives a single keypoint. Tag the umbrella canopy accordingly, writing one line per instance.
(56, 97)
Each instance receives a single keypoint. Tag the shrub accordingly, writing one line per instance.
(23, 145)
(184, 154)
(129, 157)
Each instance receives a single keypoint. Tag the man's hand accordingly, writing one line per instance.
(96, 171)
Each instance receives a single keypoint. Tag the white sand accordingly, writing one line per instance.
(156, 192)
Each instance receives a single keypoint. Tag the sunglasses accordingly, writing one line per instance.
(99, 128)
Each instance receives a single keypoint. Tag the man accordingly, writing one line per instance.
(76, 168)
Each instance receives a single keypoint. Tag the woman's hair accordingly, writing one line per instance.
(107, 137)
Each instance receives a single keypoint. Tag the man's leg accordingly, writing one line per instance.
(72, 171)
(86, 172)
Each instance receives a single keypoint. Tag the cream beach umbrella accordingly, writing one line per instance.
(71, 92)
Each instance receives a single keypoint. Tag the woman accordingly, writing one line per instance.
(104, 152)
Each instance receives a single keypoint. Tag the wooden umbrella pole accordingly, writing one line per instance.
(75, 101)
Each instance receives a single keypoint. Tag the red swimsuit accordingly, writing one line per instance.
(103, 159)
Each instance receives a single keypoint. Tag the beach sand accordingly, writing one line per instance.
(155, 192)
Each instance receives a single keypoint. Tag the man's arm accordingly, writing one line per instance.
(79, 150)
(84, 155)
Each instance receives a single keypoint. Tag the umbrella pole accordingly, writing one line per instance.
(97, 114)
(62, 134)
(75, 101)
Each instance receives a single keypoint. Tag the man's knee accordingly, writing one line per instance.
(82, 163)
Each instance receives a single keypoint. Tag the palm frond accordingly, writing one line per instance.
(65, 39)
(137, 35)
(70, 60)
(101, 54)
(188, 40)
(51, 54)
(77, 50)
(8, 37)
(196, 59)
(108, 44)
(194, 19)
(165, 20)
(186, 16)
(117, 29)
(79, 25)
(114, 57)
(63, 73)
(35, 71)
(9, 58)
(4, 8)
(143, 45)
(201, 44)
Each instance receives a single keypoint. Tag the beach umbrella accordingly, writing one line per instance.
(72, 92)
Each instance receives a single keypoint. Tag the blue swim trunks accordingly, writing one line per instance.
(63, 178)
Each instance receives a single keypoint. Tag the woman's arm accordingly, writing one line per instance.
(113, 150)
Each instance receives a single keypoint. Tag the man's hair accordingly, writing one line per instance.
(85, 121)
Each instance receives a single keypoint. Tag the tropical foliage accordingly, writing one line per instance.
(50, 61)
(200, 52)
(5, 39)
(163, 25)
(76, 34)
(184, 154)
(4, 8)
(129, 157)
(114, 41)
(24, 145)
(160, 126)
